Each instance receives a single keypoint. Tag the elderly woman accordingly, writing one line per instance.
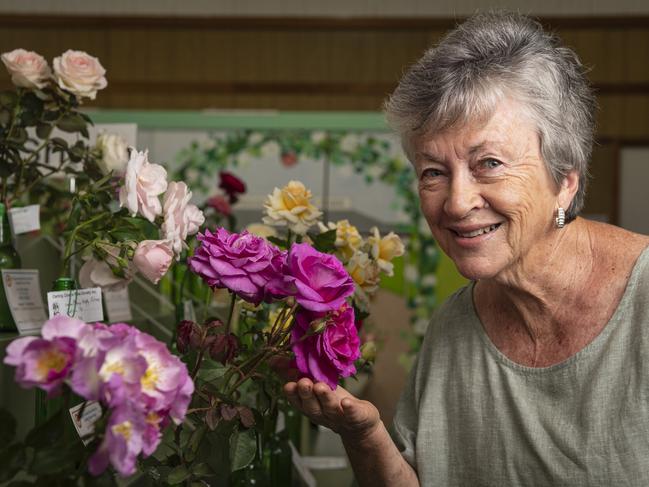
(537, 372)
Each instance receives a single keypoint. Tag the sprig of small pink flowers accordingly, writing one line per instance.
(141, 386)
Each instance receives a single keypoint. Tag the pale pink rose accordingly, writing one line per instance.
(153, 258)
(143, 183)
(180, 218)
(79, 73)
(27, 68)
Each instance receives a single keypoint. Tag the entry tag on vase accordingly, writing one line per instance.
(83, 304)
(25, 219)
(84, 419)
(118, 305)
(302, 469)
(23, 291)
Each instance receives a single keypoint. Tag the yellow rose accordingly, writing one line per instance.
(364, 271)
(383, 250)
(291, 206)
(348, 239)
(261, 230)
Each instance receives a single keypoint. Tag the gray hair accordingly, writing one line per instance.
(492, 55)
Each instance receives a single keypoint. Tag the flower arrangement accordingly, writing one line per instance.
(140, 387)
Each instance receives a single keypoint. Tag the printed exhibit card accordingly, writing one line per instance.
(23, 290)
(83, 304)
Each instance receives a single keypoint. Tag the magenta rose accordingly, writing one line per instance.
(318, 281)
(241, 262)
(326, 344)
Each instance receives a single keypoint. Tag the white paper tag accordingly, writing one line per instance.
(84, 422)
(118, 305)
(83, 304)
(302, 470)
(25, 219)
(325, 463)
(23, 291)
(189, 313)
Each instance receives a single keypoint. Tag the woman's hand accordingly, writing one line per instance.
(352, 418)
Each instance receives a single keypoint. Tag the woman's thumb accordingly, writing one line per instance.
(353, 410)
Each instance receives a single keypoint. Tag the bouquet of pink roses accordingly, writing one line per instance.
(139, 385)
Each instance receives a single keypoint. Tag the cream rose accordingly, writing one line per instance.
(27, 68)
(291, 206)
(143, 183)
(180, 218)
(114, 153)
(383, 250)
(366, 275)
(79, 73)
(153, 258)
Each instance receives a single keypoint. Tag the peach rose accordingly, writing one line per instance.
(153, 258)
(79, 73)
(27, 68)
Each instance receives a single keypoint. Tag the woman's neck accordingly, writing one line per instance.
(555, 302)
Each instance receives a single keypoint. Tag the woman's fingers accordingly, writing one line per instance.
(310, 404)
(290, 389)
(329, 400)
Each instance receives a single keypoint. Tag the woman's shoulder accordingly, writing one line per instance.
(615, 242)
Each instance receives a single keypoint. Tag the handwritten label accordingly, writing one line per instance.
(84, 419)
(301, 468)
(23, 292)
(83, 304)
(118, 305)
(25, 219)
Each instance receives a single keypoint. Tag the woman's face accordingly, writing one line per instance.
(486, 193)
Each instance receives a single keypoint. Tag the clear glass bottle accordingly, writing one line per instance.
(9, 259)
(255, 474)
(281, 459)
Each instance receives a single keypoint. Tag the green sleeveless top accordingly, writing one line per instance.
(469, 416)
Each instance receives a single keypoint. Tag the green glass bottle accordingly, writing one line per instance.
(46, 408)
(281, 460)
(9, 259)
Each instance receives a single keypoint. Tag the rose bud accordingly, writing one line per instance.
(188, 335)
(368, 351)
(224, 348)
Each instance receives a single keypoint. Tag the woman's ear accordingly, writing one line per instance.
(568, 189)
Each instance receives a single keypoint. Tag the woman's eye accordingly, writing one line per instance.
(491, 163)
(430, 173)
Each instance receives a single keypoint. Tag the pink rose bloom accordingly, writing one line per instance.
(153, 258)
(79, 73)
(27, 69)
(220, 204)
(122, 443)
(329, 353)
(241, 262)
(143, 183)
(180, 218)
(318, 281)
(97, 273)
(41, 363)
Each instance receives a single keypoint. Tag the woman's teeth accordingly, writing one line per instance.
(480, 231)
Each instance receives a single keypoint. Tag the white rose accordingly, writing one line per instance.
(79, 73)
(349, 142)
(97, 273)
(114, 153)
(27, 68)
(318, 137)
(180, 218)
(142, 185)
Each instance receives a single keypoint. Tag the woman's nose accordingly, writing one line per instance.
(463, 196)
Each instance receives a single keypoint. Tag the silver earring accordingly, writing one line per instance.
(560, 220)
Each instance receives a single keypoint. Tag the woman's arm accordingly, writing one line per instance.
(374, 456)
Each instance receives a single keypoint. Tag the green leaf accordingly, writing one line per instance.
(325, 242)
(43, 130)
(8, 99)
(72, 123)
(12, 460)
(201, 470)
(243, 446)
(7, 427)
(56, 459)
(178, 475)
(59, 143)
(46, 433)
(278, 241)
